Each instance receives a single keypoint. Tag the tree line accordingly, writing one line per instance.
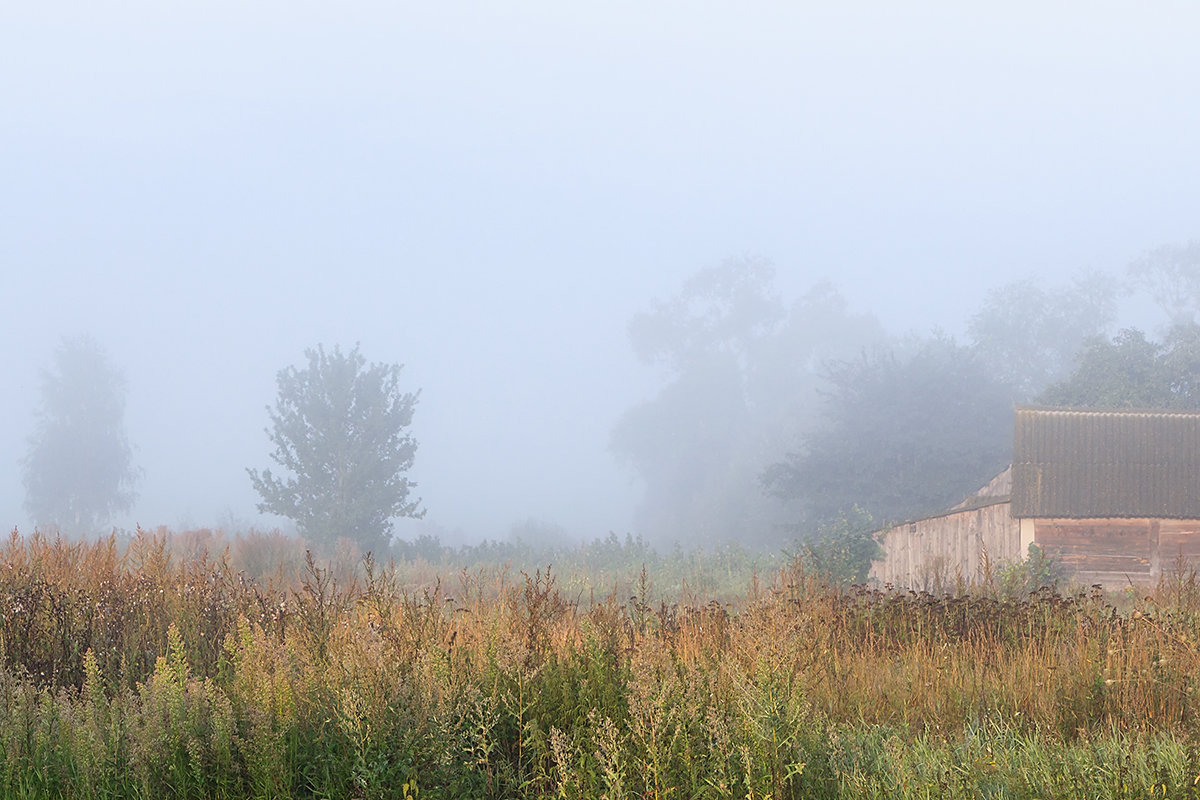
(339, 428)
(781, 420)
(774, 419)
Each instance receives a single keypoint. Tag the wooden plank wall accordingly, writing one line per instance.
(1109, 552)
(1119, 552)
(937, 553)
(1178, 545)
(940, 552)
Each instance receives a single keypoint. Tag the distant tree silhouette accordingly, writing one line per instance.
(740, 369)
(1030, 337)
(903, 436)
(78, 470)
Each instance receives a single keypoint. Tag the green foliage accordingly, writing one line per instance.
(841, 552)
(339, 427)
(79, 470)
(1133, 372)
(1036, 571)
(904, 436)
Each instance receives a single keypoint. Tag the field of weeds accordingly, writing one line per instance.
(191, 666)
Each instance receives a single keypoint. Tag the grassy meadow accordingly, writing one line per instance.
(197, 665)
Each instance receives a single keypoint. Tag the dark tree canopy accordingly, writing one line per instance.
(1131, 371)
(339, 427)
(78, 470)
(903, 436)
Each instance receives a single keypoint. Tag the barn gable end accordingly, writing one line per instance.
(1113, 496)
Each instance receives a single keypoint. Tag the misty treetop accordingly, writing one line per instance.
(1131, 371)
(904, 434)
(726, 309)
(340, 431)
(1170, 274)
(1030, 336)
(777, 418)
(78, 470)
(740, 366)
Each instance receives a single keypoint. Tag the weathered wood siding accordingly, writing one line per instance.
(1118, 552)
(1178, 544)
(937, 552)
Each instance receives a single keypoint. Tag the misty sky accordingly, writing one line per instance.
(486, 192)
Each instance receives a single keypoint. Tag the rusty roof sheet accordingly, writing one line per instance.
(1079, 463)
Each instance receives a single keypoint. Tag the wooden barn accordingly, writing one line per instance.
(953, 546)
(1113, 496)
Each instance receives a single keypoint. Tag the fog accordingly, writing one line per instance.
(489, 193)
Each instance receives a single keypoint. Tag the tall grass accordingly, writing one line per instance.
(164, 666)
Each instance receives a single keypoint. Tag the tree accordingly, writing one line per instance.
(740, 371)
(1030, 336)
(686, 445)
(1131, 371)
(1171, 274)
(842, 550)
(78, 470)
(339, 427)
(903, 436)
(720, 310)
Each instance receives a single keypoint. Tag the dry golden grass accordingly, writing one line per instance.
(164, 666)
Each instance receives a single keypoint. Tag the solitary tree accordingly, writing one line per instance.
(78, 470)
(339, 427)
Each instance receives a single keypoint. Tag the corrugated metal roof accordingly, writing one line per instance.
(1079, 463)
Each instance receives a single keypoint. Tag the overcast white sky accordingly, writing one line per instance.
(487, 191)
